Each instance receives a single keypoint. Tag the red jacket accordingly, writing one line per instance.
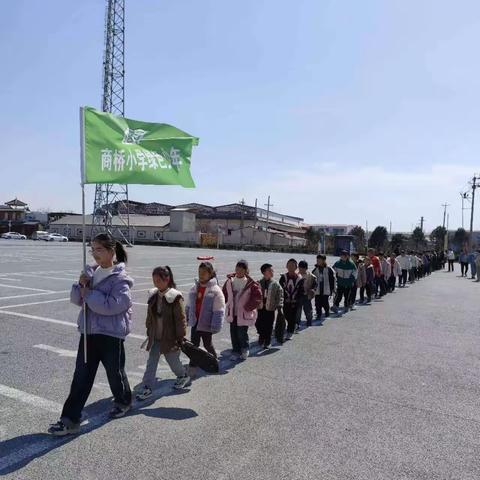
(376, 266)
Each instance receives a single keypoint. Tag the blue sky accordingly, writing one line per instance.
(342, 111)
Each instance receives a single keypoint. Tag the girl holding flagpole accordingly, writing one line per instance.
(103, 290)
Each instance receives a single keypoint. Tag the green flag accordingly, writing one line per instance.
(120, 150)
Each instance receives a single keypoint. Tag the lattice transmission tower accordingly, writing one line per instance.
(112, 199)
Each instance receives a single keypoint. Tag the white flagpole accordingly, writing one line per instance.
(84, 233)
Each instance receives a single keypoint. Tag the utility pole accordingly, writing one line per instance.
(268, 205)
(444, 205)
(464, 196)
(242, 203)
(474, 186)
(390, 227)
(422, 220)
(445, 240)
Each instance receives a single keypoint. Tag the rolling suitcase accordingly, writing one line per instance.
(199, 357)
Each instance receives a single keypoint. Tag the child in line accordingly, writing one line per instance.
(369, 279)
(272, 301)
(395, 271)
(166, 330)
(361, 280)
(242, 298)
(325, 286)
(104, 291)
(293, 293)
(205, 310)
(309, 287)
(346, 272)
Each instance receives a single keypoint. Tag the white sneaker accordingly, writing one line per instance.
(245, 354)
(182, 382)
(288, 336)
(144, 394)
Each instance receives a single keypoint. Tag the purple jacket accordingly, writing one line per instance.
(212, 312)
(109, 304)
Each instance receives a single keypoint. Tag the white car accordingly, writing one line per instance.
(39, 235)
(14, 236)
(54, 237)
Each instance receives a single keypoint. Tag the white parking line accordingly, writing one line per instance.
(33, 400)
(27, 288)
(36, 449)
(60, 351)
(34, 303)
(58, 322)
(28, 275)
(42, 319)
(10, 297)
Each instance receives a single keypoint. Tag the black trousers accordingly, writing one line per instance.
(464, 268)
(111, 352)
(353, 295)
(450, 266)
(362, 294)
(321, 301)
(369, 291)
(291, 311)
(239, 336)
(264, 326)
(206, 337)
(403, 278)
(391, 283)
(342, 292)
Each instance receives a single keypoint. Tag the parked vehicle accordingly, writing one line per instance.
(38, 235)
(14, 236)
(55, 237)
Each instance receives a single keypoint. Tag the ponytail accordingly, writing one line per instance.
(108, 242)
(164, 273)
(120, 252)
(171, 283)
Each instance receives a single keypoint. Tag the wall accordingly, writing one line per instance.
(182, 221)
(184, 237)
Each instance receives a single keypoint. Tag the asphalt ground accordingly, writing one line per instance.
(389, 391)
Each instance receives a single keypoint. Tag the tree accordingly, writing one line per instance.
(378, 238)
(358, 234)
(418, 237)
(460, 238)
(438, 237)
(313, 237)
(397, 241)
